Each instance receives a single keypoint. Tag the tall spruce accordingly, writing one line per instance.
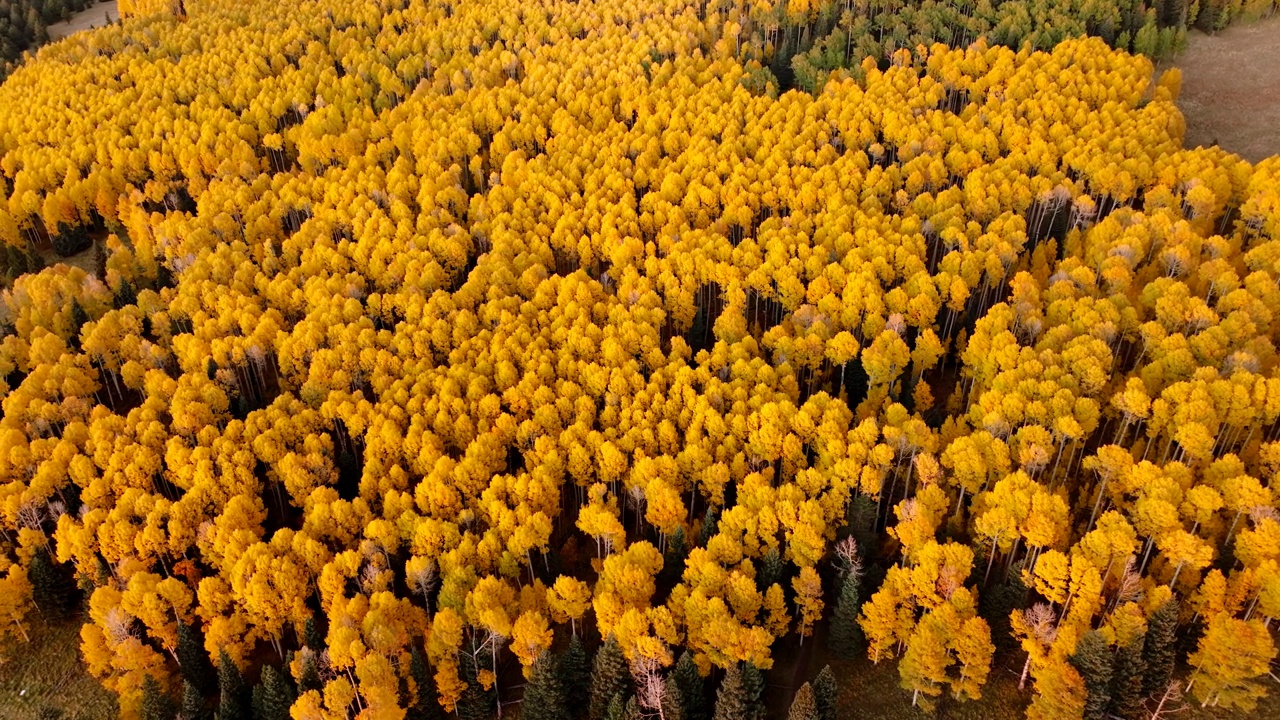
(688, 682)
(575, 677)
(311, 636)
(826, 694)
(543, 695)
(710, 522)
(731, 698)
(156, 705)
(193, 704)
(802, 705)
(309, 672)
(672, 704)
(426, 705)
(772, 570)
(193, 660)
(844, 637)
(476, 702)
(53, 585)
(609, 677)
(617, 708)
(1093, 660)
(1126, 681)
(753, 683)
(1159, 650)
(274, 695)
(234, 698)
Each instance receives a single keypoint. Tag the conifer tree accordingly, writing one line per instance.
(575, 677)
(731, 699)
(826, 694)
(772, 569)
(53, 588)
(1126, 680)
(156, 705)
(311, 635)
(608, 677)
(1092, 659)
(543, 696)
(616, 709)
(309, 674)
(274, 695)
(844, 637)
(802, 705)
(672, 703)
(476, 703)
(193, 707)
(1159, 652)
(234, 696)
(688, 681)
(753, 684)
(425, 705)
(193, 661)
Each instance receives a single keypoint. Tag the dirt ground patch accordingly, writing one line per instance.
(1231, 89)
(95, 16)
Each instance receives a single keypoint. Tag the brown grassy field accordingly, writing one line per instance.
(46, 678)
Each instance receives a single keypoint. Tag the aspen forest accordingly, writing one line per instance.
(637, 359)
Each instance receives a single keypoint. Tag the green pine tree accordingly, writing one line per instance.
(309, 673)
(1093, 660)
(616, 709)
(193, 706)
(1159, 652)
(156, 705)
(609, 677)
(193, 661)
(426, 706)
(753, 683)
(844, 637)
(772, 570)
(275, 695)
(731, 699)
(826, 694)
(575, 677)
(689, 683)
(1126, 681)
(311, 636)
(802, 705)
(710, 522)
(53, 586)
(476, 703)
(672, 703)
(234, 697)
(543, 696)
(632, 710)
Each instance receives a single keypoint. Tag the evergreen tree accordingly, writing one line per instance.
(674, 557)
(802, 705)
(193, 703)
(1092, 659)
(274, 696)
(844, 637)
(311, 636)
(616, 709)
(826, 694)
(753, 684)
(193, 661)
(156, 705)
(234, 696)
(731, 699)
(609, 677)
(772, 570)
(309, 673)
(710, 522)
(1159, 652)
(575, 677)
(632, 710)
(1126, 681)
(476, 702)
(997, 604)
(543, 696)
(672, 703)
(688, 682)
(425, 705)
(53, 586)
